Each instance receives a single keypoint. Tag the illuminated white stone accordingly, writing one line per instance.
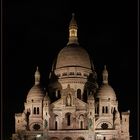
(74, 108)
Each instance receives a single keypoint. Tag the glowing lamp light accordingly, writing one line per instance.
(38, 136)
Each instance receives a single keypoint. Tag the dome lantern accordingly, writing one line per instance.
(37, 77)
(73, 31)
(105, 75)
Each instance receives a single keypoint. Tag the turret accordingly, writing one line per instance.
(46, 113)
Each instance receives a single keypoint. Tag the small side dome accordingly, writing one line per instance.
(106, 91)
(36, 92)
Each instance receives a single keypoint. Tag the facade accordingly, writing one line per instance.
(74, 107)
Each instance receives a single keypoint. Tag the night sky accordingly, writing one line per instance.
(35, 32)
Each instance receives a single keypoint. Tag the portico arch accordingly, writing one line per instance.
(54, 138)
(67, 138)
(80, 138)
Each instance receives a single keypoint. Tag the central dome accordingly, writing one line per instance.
(73, 55)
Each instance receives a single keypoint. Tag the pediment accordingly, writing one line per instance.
(80, 103)
(58, 103)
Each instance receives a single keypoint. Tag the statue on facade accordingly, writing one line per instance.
(68, 100)
(89, 123)
(45, 123)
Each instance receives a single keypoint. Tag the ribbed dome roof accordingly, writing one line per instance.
(36, 92)
(105, 92)
(73, 55)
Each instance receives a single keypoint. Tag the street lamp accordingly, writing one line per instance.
(38, 136)
(99, 137)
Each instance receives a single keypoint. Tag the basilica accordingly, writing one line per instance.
(73, 106)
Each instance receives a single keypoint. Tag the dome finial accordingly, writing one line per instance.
(73, 14)
(104, 67)
(105, 75)
(37, 68)
(37, 76)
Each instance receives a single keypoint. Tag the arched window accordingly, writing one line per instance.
(81, 124)
(68, 119)
(111, 109)
(79, 73)
(79, 93)
(56, 93)
(104, 126)
(37, 110)
(106, 109)
(64, 74)
(71, 73)
(59, 95)
(34, 110)
(55, 125)
(103, 109)
(97, 109)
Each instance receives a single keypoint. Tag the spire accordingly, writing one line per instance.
(37, 77)
(73, 31)
(105, 75)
